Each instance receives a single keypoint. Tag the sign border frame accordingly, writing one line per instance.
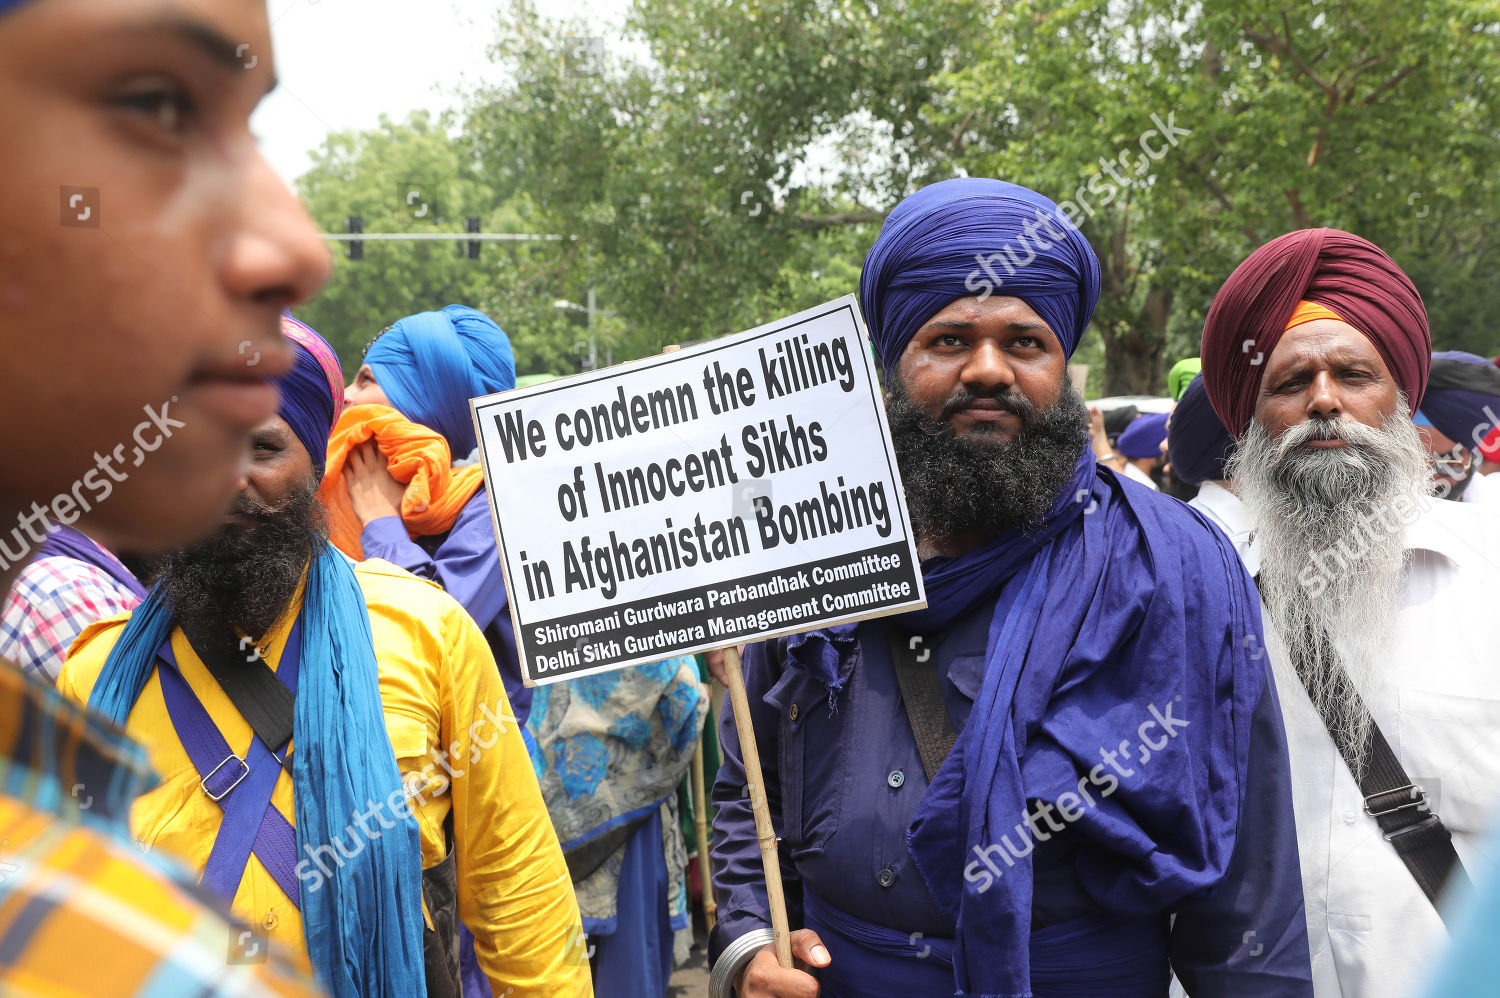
(849, 303)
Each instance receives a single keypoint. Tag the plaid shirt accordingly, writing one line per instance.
(52, 601)
(82, 911)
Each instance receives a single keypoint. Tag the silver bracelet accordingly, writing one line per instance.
(733, 960)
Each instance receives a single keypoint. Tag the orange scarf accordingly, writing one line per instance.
(435, 490)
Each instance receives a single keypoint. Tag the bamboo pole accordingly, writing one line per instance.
(700, 822)
(764, 831)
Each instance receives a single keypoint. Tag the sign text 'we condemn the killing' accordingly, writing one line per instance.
(732, 491)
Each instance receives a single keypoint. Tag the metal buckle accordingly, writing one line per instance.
(244, 772)
(1418, 799)
(1392, 836)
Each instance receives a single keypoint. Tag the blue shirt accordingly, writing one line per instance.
(843, 781)
(466, 563)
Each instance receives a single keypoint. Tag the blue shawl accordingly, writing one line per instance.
(1120, 601)
(364, 924)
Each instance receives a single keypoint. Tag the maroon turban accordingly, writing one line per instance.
(1336, 269)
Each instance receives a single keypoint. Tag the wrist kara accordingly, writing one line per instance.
(736, 956)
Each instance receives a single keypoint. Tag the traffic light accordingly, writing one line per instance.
(355, 247)
(471, 224)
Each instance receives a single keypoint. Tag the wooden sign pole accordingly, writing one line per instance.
(764, 831)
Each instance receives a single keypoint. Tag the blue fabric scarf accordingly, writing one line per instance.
(1121, 600)
(364, 924)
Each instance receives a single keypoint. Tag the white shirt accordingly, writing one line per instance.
(1483, 490)
(1371, 929)
(1225, 510)
(1133, 472)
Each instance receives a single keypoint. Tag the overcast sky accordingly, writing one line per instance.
(343, 63)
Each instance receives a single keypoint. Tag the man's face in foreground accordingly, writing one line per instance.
(1324, 370)
(159, 280)
(986, 428)
(1331, 431)
(976, 349)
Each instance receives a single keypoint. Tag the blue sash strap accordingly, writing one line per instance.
(870, 959)
(1094, 956)
(241, 787)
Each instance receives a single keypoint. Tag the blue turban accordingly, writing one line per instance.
(1143, 437)
(312, 392)
(430, 364)
(6, 5)
(1197, 443)
(1463, 397)
(974, 236)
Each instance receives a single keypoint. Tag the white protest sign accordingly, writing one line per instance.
(733, 491)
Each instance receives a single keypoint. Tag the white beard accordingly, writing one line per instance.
(1330, 526)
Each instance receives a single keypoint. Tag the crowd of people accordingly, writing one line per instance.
(1199, 703)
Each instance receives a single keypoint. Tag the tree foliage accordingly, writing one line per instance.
(373, 174)
(729, 162)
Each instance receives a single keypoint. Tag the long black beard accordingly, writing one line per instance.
(978, 482)
(241, 577)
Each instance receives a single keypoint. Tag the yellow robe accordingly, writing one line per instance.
(458, 748)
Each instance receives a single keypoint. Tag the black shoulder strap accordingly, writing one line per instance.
(922, 694)
(262, 699)
(1398, 805)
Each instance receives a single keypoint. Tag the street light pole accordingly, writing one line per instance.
(593, 342)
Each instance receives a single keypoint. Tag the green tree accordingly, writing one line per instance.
(734, 173)
(755, 144)
(732, 162)
(418, 176)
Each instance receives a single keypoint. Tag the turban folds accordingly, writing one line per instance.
(1143, 437)
(312, 392)
(973, 236)
(1197, 443)
(1338, 270)
(1463, 397)
(430, 364)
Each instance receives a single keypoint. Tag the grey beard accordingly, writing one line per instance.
(1330, 528)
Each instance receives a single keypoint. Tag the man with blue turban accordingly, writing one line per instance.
(1141, 447)
(1459, 410)
(1199, 447)
(427, 367)
(340, 761)
(1066, 775)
